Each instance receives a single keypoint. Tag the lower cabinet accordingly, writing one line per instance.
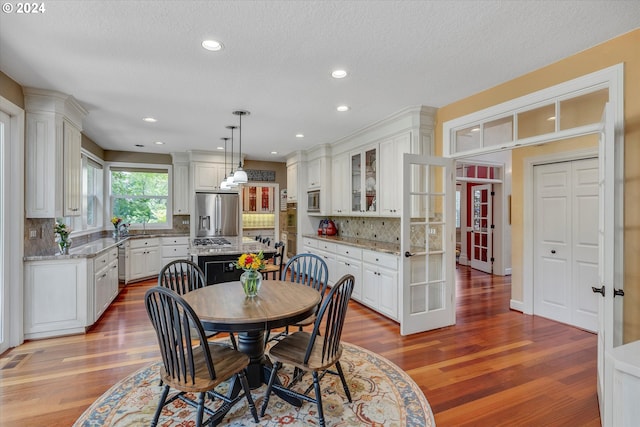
(380, 282)
(56, 298)
(173, 248)
(142, 257)
(375, 273)
(105, 286)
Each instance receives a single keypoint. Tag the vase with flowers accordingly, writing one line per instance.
(62, 232)
(116, 221)
(251, 279)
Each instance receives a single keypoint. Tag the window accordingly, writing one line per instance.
(92, 197)
(140, 195)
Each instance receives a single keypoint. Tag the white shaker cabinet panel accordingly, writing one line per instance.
(391, 154)
(292, 183)
(340, 190)
(207, 176)
(181, 193)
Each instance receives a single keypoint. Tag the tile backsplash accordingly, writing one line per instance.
(379, 229)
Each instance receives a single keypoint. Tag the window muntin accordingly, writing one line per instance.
(140, 196)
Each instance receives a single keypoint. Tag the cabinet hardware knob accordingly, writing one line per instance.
(553, 251)
(618, 292)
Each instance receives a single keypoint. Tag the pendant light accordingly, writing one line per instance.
(230, 180)
(224, 185)
(240, 176)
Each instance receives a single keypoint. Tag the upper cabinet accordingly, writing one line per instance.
(340, 198)
(313, 173)
(258, 199)
(292, 183)
(181, 191)
(53, 163)
(207, 176)
(391, 153)
(364, 181)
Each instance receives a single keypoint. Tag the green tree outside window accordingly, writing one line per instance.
(140, 197)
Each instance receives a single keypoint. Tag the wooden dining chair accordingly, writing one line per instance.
(307, 269)
(193, 369)
(275, 267)
(182, 276)
(315, 351)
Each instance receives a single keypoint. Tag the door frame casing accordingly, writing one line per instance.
(526, 305)
(13, 223)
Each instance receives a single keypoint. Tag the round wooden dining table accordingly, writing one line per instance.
(224, 307)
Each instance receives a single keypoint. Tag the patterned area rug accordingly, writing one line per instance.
(383, 395)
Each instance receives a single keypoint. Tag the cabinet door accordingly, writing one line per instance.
(101, 293)
(346, 265)
(43, 158)
(72, 170)
(388, 289)
(153, 261)
(390, 173)
(137, 263)
(340, 193)
(364, 182)
(313, 174)
(181, 189)
(292, 183)
(370, 291)
(207, 176)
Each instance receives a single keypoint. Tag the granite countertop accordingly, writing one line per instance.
(95, 247)
(386, 247)
(239, 245)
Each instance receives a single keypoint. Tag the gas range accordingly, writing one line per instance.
(208, 242)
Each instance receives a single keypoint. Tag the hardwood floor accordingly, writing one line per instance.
(494, 367)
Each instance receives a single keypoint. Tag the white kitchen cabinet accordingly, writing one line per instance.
(174, 248)
(364, 182)
(340, 194)
(313, 174)
(105, 285)
(181, 190)
(380, 282)
(292, 183)
(626, 384)
(327, 251)
(56, 298)
(349, 261)
(143, 258)
(52, 154)
(390, 173)
(207, 176)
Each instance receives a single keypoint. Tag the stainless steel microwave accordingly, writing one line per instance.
(313, 201)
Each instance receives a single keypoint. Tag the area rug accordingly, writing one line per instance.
(383, 395)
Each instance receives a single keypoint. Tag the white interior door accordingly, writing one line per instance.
(611, 279)
(482, 228)
(428, 244)
(566, 242)
(4, 294)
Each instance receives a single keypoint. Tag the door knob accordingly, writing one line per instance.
(408, 254)
(618, 292)
(598, 290)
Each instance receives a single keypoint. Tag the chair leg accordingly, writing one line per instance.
(233, 341)
(200, 409)
(267, 394)
(344, 381)
(156, 416)
(316, 386)
(247, 393)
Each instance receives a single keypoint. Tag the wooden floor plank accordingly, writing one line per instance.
(495, 367)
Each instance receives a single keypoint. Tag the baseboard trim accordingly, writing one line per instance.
(516, 305)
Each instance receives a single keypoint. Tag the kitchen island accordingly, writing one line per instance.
(217, 259)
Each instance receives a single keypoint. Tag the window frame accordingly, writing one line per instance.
(133, 166)
(79, 224)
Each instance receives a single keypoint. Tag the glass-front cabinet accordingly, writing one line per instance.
(364, 179)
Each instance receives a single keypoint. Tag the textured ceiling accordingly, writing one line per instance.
(125, 60)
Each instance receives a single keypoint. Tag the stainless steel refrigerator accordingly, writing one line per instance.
(217, 214)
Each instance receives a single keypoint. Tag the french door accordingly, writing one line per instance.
(428, 244)
(4, 286)
(482, 228)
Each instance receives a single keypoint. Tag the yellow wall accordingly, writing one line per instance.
(623, 49)
(11, 90)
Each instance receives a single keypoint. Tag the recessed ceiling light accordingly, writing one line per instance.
(212, 45)
(343, 108)
(149, 120)
(274, 152)
(159, 143)
(299, 135)
(139, 145)
(338, 74)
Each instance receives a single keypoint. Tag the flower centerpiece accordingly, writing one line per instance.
(63, 240)
(251, 279)
(116, 221)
